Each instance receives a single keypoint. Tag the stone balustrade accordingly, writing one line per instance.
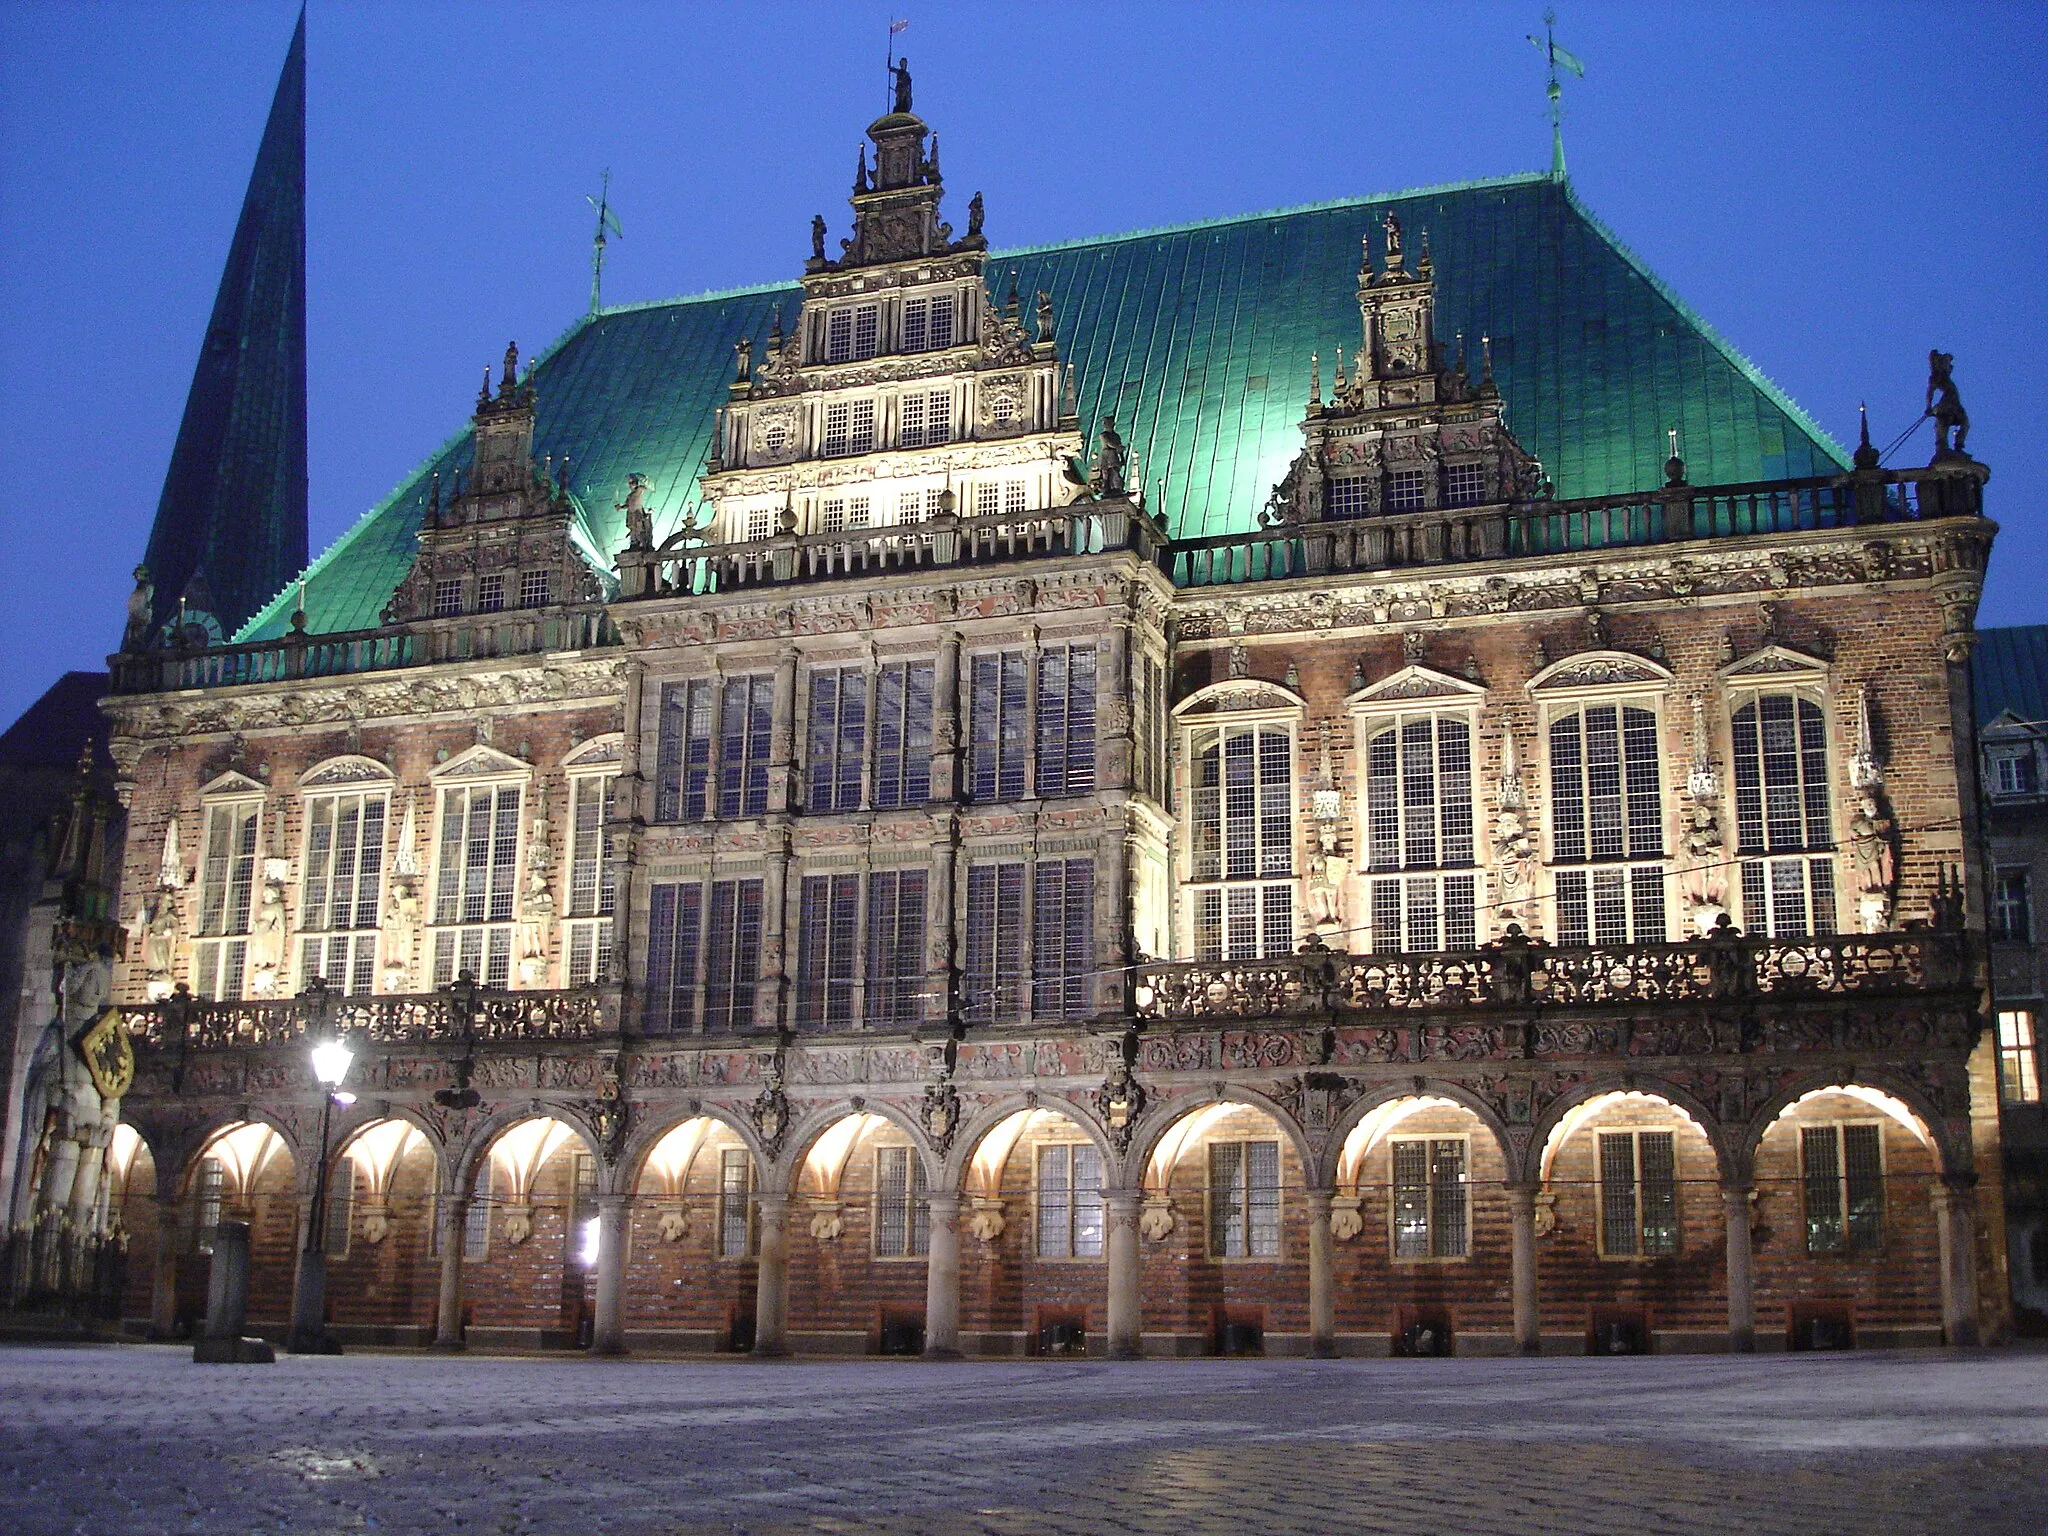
(479, 1015)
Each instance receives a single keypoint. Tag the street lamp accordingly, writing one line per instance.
(331, 1061)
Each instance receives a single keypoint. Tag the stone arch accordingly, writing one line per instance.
(1157, 1123)
(486, 1135)
(640, 1145)
(960, 1159)
(1326, 1166)
(1545, 1138)
(787, 1170)
(1950, 1145)
(192, 1148)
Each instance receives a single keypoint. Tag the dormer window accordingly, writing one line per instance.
(927, 419)
(775, 436)
(490, 593)
(849, 428)
(535, 588)
(850, 333)
(1464, 485)
(1350, 496)
(2014, 773)
(1407, 491)
(928, 324)
(447, 599)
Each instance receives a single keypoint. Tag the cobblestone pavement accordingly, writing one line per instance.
(114, 1440)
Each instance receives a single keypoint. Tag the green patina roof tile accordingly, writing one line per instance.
(1197, 339)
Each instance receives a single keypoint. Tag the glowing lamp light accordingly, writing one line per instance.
(344, 1099)
(331, 1062)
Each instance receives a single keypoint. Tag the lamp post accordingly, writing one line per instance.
(331, 1061)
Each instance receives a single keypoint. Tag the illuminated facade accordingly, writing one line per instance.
(861, 817)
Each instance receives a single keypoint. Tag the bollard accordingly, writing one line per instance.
(227, 1303)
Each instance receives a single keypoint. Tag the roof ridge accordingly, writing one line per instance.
(1706, 328)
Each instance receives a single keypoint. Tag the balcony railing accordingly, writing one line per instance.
(478, 1015)
(1448, 535)
(1526, 975)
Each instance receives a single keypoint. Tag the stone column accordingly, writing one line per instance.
(942, 1281)
(771, 1280)
(163, 1292)
(608, 1328)
(782, 733)
(1522, 1266)
(1955, 1215)
(1126, 1296)
(1735, 1202)
(1322, 1287)
(946, 773)
(448, 1316)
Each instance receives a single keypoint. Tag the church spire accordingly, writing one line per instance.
(232, 518)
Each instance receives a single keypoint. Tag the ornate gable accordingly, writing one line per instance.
(480, 762)
(605, 751)
(1600, 669)
(339, 772)
(1240, 695)
(1775, 663)
(1413, 683)
(229, 784)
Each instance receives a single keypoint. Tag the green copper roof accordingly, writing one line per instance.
(233, 509)
(2010, 672)
(1197, 339)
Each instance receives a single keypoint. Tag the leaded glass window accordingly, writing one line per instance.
(227, 878)
(1063, 937)
(895, 975)
(683, 758)
(475, 883)
(903, 735)
(1000, 726)
(1607, 811)
(837, 748)
(1638, 1194)
(829, 932)
(1242, 835)
(1781, 808)
(1842, 1175)
(746, 716)
(340, 889)
(903, 1209)
(1432, 1208)
(1066, 720)
(592, 882)
(1244, 1199)
(675, 936)
(1070, 1202)
(995, 943)
(732, 972)
(1419, 817)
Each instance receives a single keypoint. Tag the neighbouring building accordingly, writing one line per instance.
(1335, 781)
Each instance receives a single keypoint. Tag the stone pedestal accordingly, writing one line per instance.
(227, 1303)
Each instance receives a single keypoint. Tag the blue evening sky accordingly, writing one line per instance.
(1837, 187)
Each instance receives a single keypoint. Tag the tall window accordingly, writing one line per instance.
(927, 418)
(1781, 809)
(1066, 720)
(903, 735)
(339, 891)
(1638, 1194)
(227, 877)
(849, 428)
(582, 1229)
(2012, 910)
(829, 926)
(476, 1216)
(995, 943)
(1464, 485)
(1607, 813)
(850, 333)
(746, 728)
(903, 1207)
(2019, 1062)
(1070, 1202)
(1151, 682)
(1419, 817)
(732, 972)
(895, 980)
(838, 737)
(1842, 1173)
(1000, 719)
(340, 1212)
(1244, 1199)
(683, 759)
(675, 938)
(1063, 938)
(735, 1191)
(208, 1189)
(928, 323)
(476, 882)
(1243, 836)
(1432, 1210)
(592, 892)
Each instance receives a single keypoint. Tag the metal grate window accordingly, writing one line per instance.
(903, 1207)
(1424, 912)
(675, 935)
(1063, 937)
(1407, 490)
(1432, 1209)
(1244, 1199)
(1419, 795)
(1070, 1202)
(850, 333)
(475, 884)
(1638, 1194)
(1464, 485)
(895, 978)
(837, 749)
(2019, 1063)
(1781, 776)
(1066, 720)
(903, 735)
(490, 593)
(995, 943)
(1001, 726)
(683, 758)
(735, 1203)
(829, 934)
(732, 972)
(746, 715)
(1842, 1174)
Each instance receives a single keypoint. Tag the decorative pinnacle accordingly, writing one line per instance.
(1866, 455)
(511, 379)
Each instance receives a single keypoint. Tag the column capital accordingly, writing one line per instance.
(1319, 1200)
(1522, 1197)
(940, 1199)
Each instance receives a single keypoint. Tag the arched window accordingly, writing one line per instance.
(1607, 817)
(1242, 841)
(1782, 831)
(341, 877)
(1418, 806)
(232, 820)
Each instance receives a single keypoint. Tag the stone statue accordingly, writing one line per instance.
(743, 360)
(1044, 317)
(1110, 462)
(1945, 405)
(902, 73)
(1874, 860)
(266, 940)
(141, 604)
(159, 944)
(1393, 228)
(639, 522)
(974, 217)
(817, 237)
(1326, 884)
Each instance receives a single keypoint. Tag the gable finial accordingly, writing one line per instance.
(1866, 455)
(1315, 381)
(1557, 58)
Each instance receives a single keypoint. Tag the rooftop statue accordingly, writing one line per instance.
(902, 73)
(1110, 463)
(974, 216)
(639, 522)
(1945, 405)
(817, 237)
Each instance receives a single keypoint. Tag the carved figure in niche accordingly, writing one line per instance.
(902, 74)
(266, 941)
(826, 1224)
(1110, 462)
(817, 237)
(1874, 861)
(159, 944)
(141, 604)
(1945, 405)
(537, 905)
(986, 1222)
(674, 1223)
(639, 521)
(1514, 846)
(1326, 884)
(1156, 1221)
